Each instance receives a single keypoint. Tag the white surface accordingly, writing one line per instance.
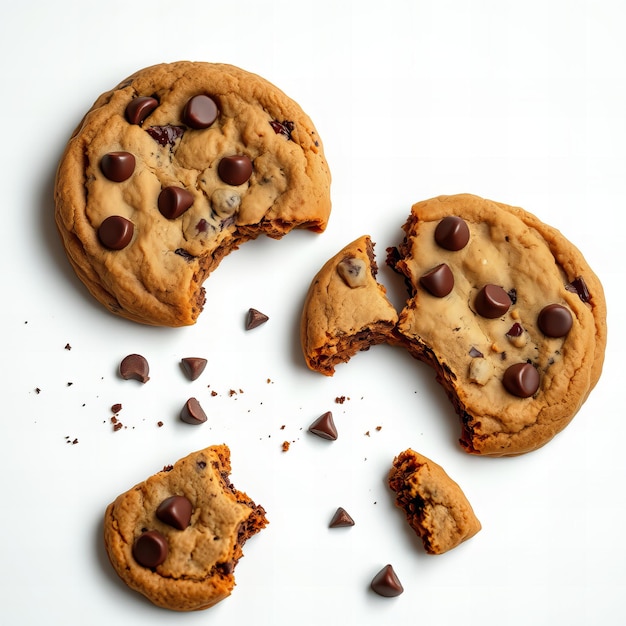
(524, 103)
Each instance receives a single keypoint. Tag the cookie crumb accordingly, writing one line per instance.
(286, 445)
(341, 399)
(67, 346)
(116, 408)
(159, 423)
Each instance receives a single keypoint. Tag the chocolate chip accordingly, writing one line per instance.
(555, 320)
(165, 134)
(492, 301)
(175, 511)
(579, 286)
(150, 548)
(475, 353)
(515, 331)
(200, 112)
(324, 427)
(521, 380)
(139, 108)
(284, 128)
(118, 166)
(255, 318)
(135, 367)
(235, 170)
(439, 281)
(452, 233)
(185, 254)
(115, 232)
(341, 519)
(192, 413)
(193, 367)
(174, 201)
(386, 583)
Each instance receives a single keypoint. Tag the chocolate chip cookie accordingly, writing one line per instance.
(177, 537)
(435, 506)
(173, 169)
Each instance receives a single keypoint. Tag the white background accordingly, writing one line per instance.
(520, 102)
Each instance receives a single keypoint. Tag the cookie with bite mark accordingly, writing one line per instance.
(177, 537)
(172, 170)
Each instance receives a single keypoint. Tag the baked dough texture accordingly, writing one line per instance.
(435, 506)
(198, 570)
(475, 352)
(257, 168)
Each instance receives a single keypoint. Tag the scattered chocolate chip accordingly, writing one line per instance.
(515, 331)
(255, 318)
(200, 112)
(192, 413)
(512, 293)
(116, 408)
(67, 346)
(475, 353)
(118, 166)
(115, 232)
(150, 548)
(386, 583)
(324, 427)
(174, 201)
(579, 286)
(235, 170)
(135, 367)
(521, 380)
(193, 367)
(555, 320)
(164, 135)
(492, 301)
(341, 519)
(452, 233)
(139, 108)
(284, 128)
(175, 511)
(439, 281)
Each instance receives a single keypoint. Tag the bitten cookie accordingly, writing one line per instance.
(435, 506)
(177, 537)
(345, 309)
(173, 169)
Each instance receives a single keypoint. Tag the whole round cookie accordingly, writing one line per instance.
(177, 537)
(173, 169)
(509, 314)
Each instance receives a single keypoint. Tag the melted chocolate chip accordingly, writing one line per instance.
(175, 511)
(193, 367)
(439, 281)
(579, 286)
(555, 320)
(135, 367)
(235, 170)
(150, 548)
(255, 318)
(174, 201)
(521, 380)
(284, 128)
(139, 108)
(492, 301)
(341, 519)
(452, 233)
(118, 166)
(200, 112)
(386, 583)
(192, 413)
(165, 134)
(115, 232)
(324, 427)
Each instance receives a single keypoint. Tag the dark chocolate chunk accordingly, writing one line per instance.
(235, 170)
(579, 286)
(515, 331)
(439, 281)
(255, 318)
(492, 301)
(118, 166)
(452, 233)
(284, 128)
(175, 511)
(139, 108)
(192, 413)
(174, 201)
(386, 583)
(521, 380)
(341, 519)
(555, 320)
(324, 427)
(165, 134)
(135, 367)
(115, 232)
(150, 548)
(193, 367)
(200, 112)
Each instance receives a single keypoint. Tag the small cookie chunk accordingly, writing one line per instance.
(173, 169)
(516, 334)
(435, 506)
(345, 309)
(177, 537)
